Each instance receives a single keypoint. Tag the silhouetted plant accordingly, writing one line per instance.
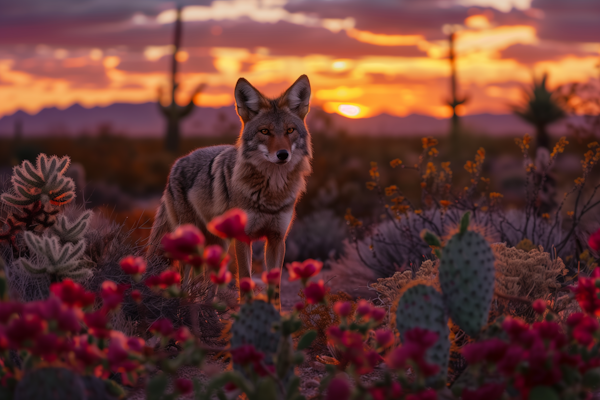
(540, 108)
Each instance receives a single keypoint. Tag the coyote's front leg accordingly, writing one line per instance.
(243, 255)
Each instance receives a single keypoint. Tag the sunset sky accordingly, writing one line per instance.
(362, 56)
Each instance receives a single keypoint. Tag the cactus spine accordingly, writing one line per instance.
(421, 305)
(254, 325)
(50, 384)
(467, 278)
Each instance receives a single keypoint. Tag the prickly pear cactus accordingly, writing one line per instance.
(422, 306)
(97, 389)
(467, 278)
(254, 326)
(50, 384)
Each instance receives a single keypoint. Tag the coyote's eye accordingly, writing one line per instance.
(264, 131)
(290, 130)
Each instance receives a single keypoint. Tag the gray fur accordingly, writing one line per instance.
(209, 181)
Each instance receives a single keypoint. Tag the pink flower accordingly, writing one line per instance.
(223, 277)
(364, 308)
(8, 309)
(136, 295)
(427, 394)
(489, 391)
(299, 306)
(117, 353)
(586, 293)
(96, 323)
(338, 389)
(213, 256)
(86, 353)
(315, 292)
(231, 225)
(539, 306)
(247, 285)
(135, 344)
(28, 327)
(112, 294)
(342, 308)
(386, 392)
(304, 270)
(183, 242)
(377, 314)
(162, 326)
(164, 280)
(384, 337)
(72, 294)
(594, 241)
(133, 265)
(182, 334)
(246, 354)
(272, 277)
(184, 386)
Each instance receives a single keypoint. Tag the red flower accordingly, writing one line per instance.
(182, 334)
(586, 293)
(28, 327)
(67, 320)
(8, 309)
(386, 392)
(47, 346)
(427, 394)
(583, 327)
(223, 277)
(231, 225)
(72, 294)
(183, 242)
(117, 353)
(594, 241)
(247, 285)
(272, 277)
(136, 295)
(263, 370)
(96, 323)
(163, 326)
(377, 314)
(539, 306)
(133, 265)
(299, 306)
(4, 342)
(246, 354)
(384, 337)
(343, 308)
(315, 292)
(213, 256)
(135, 344)
(112, 294)
(338, 389)
(304, 270)
(164, 280)
(184, 386)
(364, 308)
(86, 353)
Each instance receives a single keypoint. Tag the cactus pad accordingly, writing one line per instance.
(466, 276)
(49, 384)
(254, 326)
(422, 306)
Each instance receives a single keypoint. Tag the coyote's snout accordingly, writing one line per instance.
(264, 174)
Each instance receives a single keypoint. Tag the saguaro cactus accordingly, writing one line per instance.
(173, 112)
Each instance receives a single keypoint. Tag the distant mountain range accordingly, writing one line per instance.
(145, 120)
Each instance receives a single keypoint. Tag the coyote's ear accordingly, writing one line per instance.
(248, 100)
(297, 97)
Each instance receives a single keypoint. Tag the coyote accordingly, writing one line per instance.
(264, 174)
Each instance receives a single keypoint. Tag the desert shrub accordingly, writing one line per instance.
(320, 317)
(389, 289)
(319, 236)
(393, 245)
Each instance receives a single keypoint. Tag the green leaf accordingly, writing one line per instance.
(292, 387)
(430, 238)
(543, 393)
(267, 389)
(464, 222)
(591, 379)
(156, 387)
(307, 339)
